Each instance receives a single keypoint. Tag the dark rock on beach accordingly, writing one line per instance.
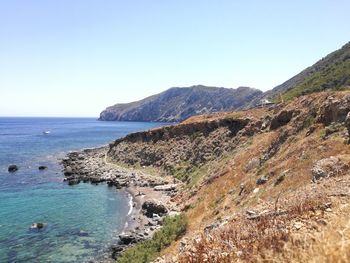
(151, 207)
(68, 170)
(127, 239)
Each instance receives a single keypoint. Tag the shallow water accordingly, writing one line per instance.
(82, 220)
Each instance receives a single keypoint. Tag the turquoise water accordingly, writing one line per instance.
(82, 220)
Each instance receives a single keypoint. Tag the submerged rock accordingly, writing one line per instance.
(73, 181)
(83, 233)
(38, 226)
(12, 168)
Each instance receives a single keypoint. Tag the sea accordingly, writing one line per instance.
(81, 221)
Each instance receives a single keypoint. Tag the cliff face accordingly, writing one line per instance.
(177, 149)
(177, 104)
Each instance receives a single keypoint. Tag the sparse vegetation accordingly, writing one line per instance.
(333, 76)
(195, 135)
(251, 240)
(146, 251)
(220, 189)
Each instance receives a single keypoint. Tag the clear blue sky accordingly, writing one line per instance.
(75, 57)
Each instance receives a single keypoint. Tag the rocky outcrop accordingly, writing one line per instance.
(334, 110)
(332, 166)
(89, 166)
(282, 118)
(151, 208)
(177, 104)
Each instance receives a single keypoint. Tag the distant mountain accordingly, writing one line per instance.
(331, 72)
(177, 104)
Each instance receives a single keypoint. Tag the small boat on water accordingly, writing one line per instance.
(46, 132)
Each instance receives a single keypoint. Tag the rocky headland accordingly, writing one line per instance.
(177, 104)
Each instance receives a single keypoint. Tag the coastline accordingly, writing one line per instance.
(150, 196)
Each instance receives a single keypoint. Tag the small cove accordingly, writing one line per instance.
(82, 220)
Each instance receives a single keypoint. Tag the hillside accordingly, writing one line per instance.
(177, 104)
(330, 73)
(262, 185)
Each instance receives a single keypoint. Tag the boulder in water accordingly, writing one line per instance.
(12, 168)
(73, 181)
(37, 226)
(42, 167)
(83, 233)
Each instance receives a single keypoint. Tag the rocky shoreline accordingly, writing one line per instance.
(151, 196)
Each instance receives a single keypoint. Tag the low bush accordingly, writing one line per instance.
(148, 250)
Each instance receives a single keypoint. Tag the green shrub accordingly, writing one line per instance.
(148, 250)
(195, 135)
(333, 77)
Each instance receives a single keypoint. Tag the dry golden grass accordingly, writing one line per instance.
(271, 237)
(252, 240)
(330, 245)
(252, 113)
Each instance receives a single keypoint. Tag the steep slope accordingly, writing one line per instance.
(331, 72)
(177, 104)
(256, 183)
